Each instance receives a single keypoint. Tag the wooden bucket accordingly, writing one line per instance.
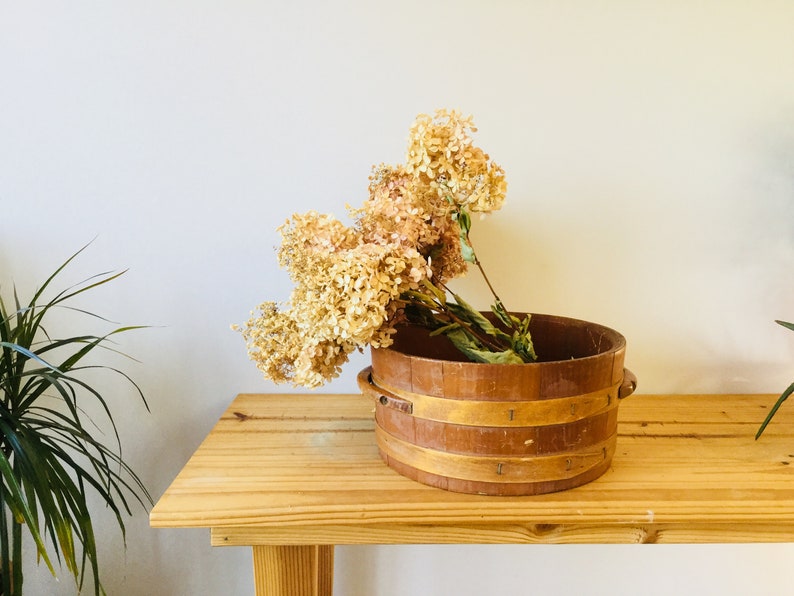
(500, 429)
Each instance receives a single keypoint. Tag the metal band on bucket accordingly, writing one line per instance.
(496, 469)
(472, 412)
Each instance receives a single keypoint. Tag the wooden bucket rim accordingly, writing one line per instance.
(617, 338)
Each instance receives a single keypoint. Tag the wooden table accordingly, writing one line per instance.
(293, 475)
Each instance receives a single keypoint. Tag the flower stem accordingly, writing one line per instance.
(485, 277)
(485, 339)
(487, 281)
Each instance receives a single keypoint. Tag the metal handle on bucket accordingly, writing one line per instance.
(629, 384)
(385, 398)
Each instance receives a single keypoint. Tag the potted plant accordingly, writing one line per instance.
(783, 396)
(382, 282)
(50, 456)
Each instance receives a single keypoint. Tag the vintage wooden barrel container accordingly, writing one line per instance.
(500, 429)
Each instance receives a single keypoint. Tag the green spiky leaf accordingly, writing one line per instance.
(50, 461)
(783, 396)
(786, 325)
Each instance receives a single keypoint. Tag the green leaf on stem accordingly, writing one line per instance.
(440, 295)
(501, 313)
(445, 330)
(414, 297)
(464, 222)
(475, 351)
(474, 316)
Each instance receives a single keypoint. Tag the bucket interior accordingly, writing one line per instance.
(555, 338)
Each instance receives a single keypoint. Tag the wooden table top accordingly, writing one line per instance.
(304, 469)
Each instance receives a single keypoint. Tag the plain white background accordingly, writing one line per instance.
(649, 150)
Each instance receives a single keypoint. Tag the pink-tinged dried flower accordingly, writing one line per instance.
(401, 210)
(346, 292)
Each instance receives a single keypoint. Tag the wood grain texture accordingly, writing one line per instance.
(304, 470)
(293, 570)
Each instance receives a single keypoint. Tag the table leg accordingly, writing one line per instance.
(294, 570)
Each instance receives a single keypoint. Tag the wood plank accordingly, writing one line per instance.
(292, 465)
(639, 533)
(293, 570)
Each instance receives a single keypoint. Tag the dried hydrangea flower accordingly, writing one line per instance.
(349, 279)
(442, 156)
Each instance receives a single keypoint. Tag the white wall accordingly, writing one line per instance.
(649, 148)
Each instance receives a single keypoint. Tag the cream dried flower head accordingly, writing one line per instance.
(441, 154)
(353, 282)
(346, 290)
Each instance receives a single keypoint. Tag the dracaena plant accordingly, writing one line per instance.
(355, 284)
(783, 396)
(51, 459)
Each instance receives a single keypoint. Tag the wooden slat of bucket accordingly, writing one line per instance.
(494, 440)
(617, 365)
(569, 377)
(497, 470)
(452, 378)
(476, 380)
(546, 380)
